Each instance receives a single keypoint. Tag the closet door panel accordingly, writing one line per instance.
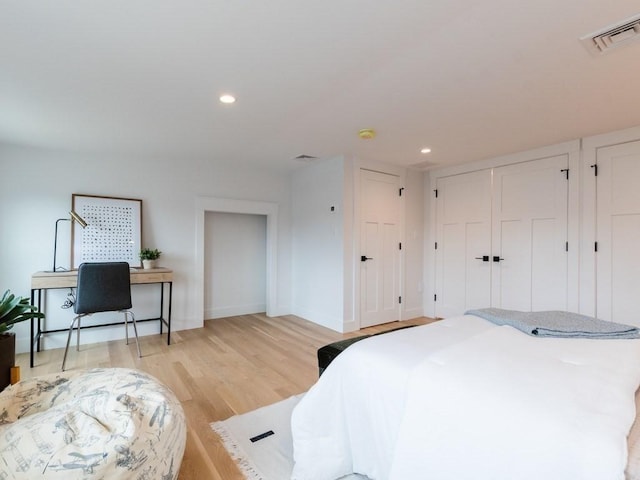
(512, 285)
(463, 234)
(549, 294)
(530, 234)
(618, 231)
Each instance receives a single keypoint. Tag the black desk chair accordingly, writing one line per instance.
(102, 287)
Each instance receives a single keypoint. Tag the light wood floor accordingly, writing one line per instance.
(232, 365)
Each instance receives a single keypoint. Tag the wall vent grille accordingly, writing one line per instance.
(613, 36)
(305, 158)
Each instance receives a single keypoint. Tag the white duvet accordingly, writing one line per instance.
(462, 399)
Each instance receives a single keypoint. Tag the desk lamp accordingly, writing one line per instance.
(74, 218)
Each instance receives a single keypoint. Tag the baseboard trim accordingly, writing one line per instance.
(235, 310)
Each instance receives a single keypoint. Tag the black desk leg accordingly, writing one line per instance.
(32, 329)
(169, 315)
(161, 306)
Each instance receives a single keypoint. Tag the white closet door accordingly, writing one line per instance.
(380, 248)
(618, 233)
(463, 279)
(529, 257)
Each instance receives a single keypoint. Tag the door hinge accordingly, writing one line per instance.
(435, 297)
(436, 246)
(595, 169)
(566, 246)
(399, 299)
(595, 247)
(400, 191)
(566, 171)
(436, 192)
(400, 246)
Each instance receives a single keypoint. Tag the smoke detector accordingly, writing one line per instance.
(613, 36)
(367, 133)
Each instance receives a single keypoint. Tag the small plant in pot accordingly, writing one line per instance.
(12, 310)
(149, 257)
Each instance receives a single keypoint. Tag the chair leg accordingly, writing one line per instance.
(78, 335)
(135, 330)
(126, 327)
(64, 360)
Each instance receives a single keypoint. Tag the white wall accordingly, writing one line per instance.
(318, 242)
(37, 188)
(235, 264)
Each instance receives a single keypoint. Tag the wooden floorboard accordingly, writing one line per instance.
(230, 366)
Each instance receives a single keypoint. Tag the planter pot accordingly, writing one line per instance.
(149, 264)
(7, 358)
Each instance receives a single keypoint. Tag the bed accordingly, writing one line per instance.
(465, 398)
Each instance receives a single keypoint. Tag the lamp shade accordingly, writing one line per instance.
(79, 220)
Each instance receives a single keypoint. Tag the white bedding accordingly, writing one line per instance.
(465, 399)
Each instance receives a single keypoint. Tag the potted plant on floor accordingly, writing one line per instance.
(149, 257)
(12, 310)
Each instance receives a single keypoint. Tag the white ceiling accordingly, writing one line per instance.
(469, 79)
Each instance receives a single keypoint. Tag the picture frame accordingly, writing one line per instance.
(113, 232)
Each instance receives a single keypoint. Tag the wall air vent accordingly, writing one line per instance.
(613, 36)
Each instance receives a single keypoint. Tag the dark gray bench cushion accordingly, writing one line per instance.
(329, 352)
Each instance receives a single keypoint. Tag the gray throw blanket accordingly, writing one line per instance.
(557, 324)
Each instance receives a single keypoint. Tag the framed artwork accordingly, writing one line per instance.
(113, 232)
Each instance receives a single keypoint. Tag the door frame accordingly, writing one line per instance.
(226, 205)
(400, 172)
(588, 227)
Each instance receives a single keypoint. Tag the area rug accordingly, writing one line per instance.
(260, 441)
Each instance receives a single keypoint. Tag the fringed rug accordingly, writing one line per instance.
(260, 441)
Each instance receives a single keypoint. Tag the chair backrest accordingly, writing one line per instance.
(103, 287)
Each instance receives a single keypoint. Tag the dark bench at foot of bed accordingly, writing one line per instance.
(329, 352)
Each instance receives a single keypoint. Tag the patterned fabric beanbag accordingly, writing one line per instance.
(93, 424)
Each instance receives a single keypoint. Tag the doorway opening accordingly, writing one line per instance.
(234, 264)
(225, 205)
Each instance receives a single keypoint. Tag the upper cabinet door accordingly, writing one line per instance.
(463, 233)
(530, 231)
(618, 231)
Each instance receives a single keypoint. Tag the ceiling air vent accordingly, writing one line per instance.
(613, 36)
(425, 165)
(305, 158)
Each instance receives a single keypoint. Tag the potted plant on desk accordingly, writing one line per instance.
(12, 310)
(149, 257)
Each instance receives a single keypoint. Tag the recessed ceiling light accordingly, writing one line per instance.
(227, 98)
(425, 150)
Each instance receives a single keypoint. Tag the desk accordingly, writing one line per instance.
(52, 280)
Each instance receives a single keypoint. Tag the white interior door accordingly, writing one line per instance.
(529, 258)
(618, 231)
(463, 233)
(379, 247)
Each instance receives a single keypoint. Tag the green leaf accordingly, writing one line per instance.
(15, 309)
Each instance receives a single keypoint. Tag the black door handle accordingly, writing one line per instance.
(484, 258)
(497, 259)
(364, 258)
